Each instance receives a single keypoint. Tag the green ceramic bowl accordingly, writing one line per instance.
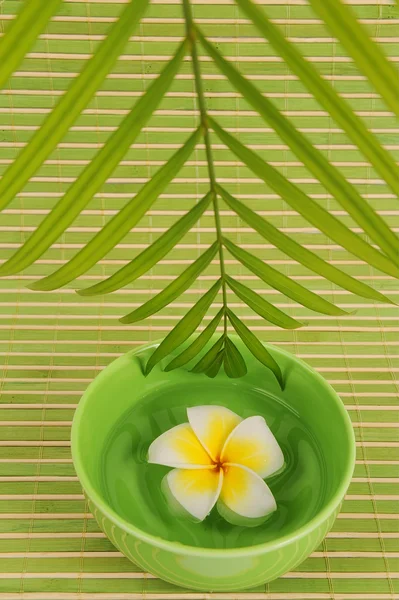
(122, 412)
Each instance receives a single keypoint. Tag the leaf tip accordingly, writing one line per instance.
(148, 368)
(86, 291)
(36, 286)
(392, 301)
(171, 366)
(125, 320)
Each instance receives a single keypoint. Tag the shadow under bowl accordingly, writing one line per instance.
(122, 412)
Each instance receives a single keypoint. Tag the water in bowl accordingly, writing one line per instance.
(133, 488)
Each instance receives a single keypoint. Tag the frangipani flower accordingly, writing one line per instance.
(219, 458)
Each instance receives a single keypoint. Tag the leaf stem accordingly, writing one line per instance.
(191, 35)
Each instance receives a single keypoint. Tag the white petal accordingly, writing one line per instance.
(179, 447)
(253, 445)
(195, 490)
(212, 425)
(245, 494)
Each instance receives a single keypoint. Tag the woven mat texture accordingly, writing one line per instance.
(53, 344)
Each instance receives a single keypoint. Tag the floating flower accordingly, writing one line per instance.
(219, 458)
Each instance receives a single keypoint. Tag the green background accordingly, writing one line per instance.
(53, 344)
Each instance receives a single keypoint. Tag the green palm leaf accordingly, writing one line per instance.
(71, 104)
(312, 158)
(197, 345)
(281, 282)
(368, 55)
(174, 289)
(182, 331)
(234, 364)
(215, 366)
(151, 255)
(255, 346)
(261, 306)
(299, 253)
(325, 94)
(95, 174)
(121, 223)
(22, 34)
(208, 359)
(19, 38)
(308, 208)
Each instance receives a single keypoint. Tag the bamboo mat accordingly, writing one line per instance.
(53, 344)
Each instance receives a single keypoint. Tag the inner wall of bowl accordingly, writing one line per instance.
(124, 412)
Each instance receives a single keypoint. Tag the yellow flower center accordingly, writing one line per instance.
(218, 464)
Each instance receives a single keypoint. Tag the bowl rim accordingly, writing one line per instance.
(199, 551)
